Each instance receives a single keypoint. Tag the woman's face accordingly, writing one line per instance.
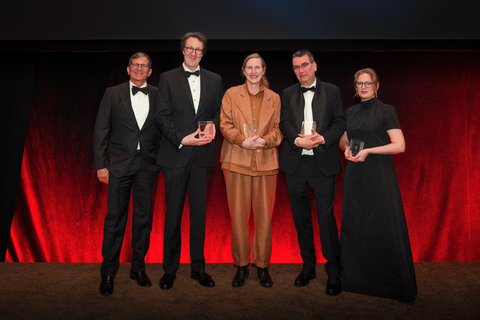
(254, 71)
(363, 92)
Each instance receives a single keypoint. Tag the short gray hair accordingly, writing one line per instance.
(140, 55)
(301, 53)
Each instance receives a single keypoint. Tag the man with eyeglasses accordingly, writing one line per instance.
(187, 95)
(311, 159)
(125, 152)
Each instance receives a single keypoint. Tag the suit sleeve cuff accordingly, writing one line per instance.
(239, 139)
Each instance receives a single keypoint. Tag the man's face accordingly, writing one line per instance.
(192, 59)
(137, 72)
(304, 70)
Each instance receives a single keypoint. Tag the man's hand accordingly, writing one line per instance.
(191, 140)
(102, 175)
(310, 141)
(213, 131)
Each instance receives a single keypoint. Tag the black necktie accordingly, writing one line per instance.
(136, 89)
(308, 89)
(196, 73)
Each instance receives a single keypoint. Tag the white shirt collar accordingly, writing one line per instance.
(131, 84)
(186, 69)
(314, 84)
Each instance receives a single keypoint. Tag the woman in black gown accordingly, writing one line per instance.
(376, 255)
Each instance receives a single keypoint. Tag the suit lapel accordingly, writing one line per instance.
(298, 103)
(266, 110)
(203, 88)
(246, 112)
(319, 105)
(186, 86)
(151, 105)
(124, 92)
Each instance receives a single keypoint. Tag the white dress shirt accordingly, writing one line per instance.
(307, 111)
(140, 105)
(194, 83)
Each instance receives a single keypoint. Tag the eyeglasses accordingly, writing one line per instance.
(303, 66)
(190, 50)
(367, 84)
(138, 65)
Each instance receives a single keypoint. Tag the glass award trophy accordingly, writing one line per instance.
(249, 130)
(356, 146)
(307, 127)
(206, 129)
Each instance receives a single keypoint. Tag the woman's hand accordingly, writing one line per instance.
(251, 143)
(348, 154)
(360, 157)
(261, 142)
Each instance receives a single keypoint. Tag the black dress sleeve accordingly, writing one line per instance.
(391, 118)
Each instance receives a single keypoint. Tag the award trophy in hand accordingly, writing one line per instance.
(307, 127)
(249, 130)
(206, 129)
(356, 146)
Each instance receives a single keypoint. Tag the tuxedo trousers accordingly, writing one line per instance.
(323, 188)
(143, 186)
(178, 181)
(246, 193)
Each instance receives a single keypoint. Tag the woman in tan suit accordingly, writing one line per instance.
(249, 122)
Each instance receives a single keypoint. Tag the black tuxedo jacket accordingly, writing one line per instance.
(117, 134)
(327, 111)
(176, 116)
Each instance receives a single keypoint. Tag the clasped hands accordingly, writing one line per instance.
(192, 140)
(360, 157)
(309, 141)
(254, 143)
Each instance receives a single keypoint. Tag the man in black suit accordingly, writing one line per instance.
(187, 94)
(125, 144)
(312, 159)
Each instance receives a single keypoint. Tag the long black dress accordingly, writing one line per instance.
(376, 255)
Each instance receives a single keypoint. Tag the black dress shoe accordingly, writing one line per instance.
(305, 276)
(203, 278)
(166, 282)
(334, 286)
(142, 279)
(240, 276)
(265, 279)
(106, 287)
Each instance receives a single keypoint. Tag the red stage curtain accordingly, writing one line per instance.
(61, 205)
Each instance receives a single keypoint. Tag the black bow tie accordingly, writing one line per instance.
(308, 89)
(196, 73)
(136, 89)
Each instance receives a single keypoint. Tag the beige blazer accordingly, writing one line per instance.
(236, 111)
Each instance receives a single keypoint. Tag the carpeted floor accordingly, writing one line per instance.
(70, 291)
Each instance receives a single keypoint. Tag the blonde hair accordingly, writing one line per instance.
(263, 81)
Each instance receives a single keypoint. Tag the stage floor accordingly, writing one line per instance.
(70, 291)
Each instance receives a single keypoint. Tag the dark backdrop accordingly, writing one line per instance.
(246, 19)
(61, 205)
